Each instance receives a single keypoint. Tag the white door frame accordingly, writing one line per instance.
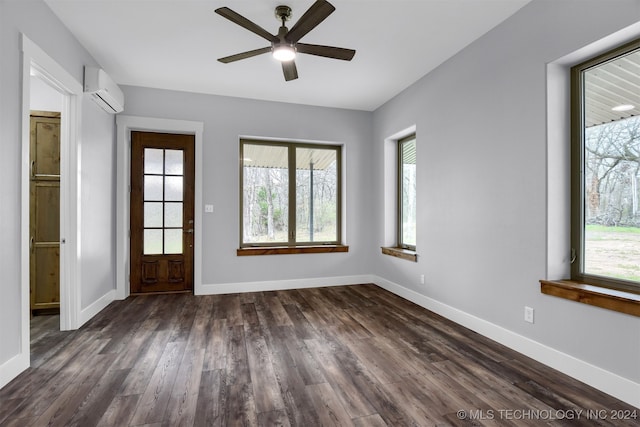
(36, 61)
(126, 124)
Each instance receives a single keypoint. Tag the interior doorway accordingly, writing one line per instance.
(45, 118)
(42, 73)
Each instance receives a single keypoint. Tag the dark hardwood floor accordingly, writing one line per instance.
(351, 355)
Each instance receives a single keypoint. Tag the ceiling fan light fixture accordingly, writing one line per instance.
(284, 52)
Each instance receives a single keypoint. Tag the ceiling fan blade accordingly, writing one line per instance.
(245, 23)
(317, 13)
(244, 55)
(326, 51)
(289, 69)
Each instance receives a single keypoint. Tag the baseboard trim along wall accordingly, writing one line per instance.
(96, 307)
(280, 285)
(13, 367)
(608, 382)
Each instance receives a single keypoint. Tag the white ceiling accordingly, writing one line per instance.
(174, 44)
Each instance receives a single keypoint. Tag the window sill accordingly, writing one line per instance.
(287, 250)
(611, 299)
(401, 253)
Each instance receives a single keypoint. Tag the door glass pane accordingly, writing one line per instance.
(152, 242)
(152, 188)
(152, 214)
(173, 188)
(173, 162)
(153, 161)
(316, 195)
(173, 241)
(265, 193)
(173, 214)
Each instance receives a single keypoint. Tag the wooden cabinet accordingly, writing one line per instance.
(45, 211)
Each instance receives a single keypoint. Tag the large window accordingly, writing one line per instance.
(606, 169)
(407, 193)
(290, 194)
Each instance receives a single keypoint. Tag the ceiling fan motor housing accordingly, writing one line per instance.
(283, 13)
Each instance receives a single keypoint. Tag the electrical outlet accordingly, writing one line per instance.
(528, 314)
(422, 279)
(208, 208)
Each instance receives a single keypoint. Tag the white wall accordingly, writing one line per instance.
(44, 97)
(97, 195)
(481, 123)
(225, 120)
(39, 24)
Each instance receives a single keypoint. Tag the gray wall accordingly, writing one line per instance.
(225, 120)
(97, 161)
(482, 197)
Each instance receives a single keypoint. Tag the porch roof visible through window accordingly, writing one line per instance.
(261, 156)
(610, 85)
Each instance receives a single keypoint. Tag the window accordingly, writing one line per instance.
(290, 194)
(605, 168)
(400, 172)
(407, 193)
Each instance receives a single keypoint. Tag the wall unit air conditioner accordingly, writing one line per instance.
(104, 91)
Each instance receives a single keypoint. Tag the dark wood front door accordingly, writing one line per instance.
(162, 198)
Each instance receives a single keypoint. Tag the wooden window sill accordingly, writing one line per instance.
(286, 250)
(401, 253)
(611, 299)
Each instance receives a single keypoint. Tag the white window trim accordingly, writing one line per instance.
(558, 187)
(125, 125)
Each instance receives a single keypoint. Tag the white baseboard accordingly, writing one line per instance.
(13, 367)
(279, 285)
(87, 313)
(608, 382)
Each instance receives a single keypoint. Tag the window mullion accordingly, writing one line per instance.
(292, 194)
(399, 190)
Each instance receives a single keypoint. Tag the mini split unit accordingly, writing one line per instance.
(104, 91)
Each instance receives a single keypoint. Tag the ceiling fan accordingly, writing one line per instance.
(285, 44)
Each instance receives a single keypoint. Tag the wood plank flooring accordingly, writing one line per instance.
(349, 356)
